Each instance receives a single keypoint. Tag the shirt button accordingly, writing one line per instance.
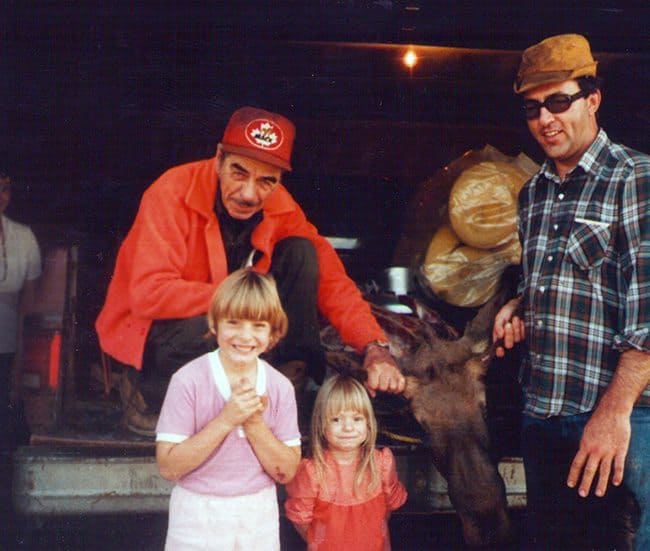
(542, 289)
(549, 258)
(555, 227)
(539, 323)
(560, 196)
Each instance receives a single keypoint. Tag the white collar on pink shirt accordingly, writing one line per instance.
(221, 379)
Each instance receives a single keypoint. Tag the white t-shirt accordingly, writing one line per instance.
(196, 394)
(23, 258)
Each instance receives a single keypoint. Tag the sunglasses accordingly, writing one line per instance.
(555, 103)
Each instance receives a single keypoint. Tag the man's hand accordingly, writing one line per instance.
(508, 327)
(383, 373)
(605, 441)
(604, 444)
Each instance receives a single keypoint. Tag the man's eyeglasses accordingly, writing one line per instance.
(555, 103)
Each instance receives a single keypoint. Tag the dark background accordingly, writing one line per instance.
(100, 98)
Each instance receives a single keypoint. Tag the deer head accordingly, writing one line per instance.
(446, 389)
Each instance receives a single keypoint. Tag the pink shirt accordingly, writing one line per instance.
(196, 394)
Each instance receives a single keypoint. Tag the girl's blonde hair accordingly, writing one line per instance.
(337, 394)
(248, 295)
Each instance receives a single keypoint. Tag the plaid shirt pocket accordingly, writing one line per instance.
(588, 243)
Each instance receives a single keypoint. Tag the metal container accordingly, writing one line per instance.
(398, 280)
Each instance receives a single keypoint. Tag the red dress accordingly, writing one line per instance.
(337, 517)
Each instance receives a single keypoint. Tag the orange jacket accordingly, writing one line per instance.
(173, 259)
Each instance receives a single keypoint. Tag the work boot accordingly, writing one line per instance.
(136, 418)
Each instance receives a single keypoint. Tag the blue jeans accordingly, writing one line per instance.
(557, 518)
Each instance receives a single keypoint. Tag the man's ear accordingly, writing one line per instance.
(219, 156)
(593, 101)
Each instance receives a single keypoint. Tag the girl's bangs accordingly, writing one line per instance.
(346, 398)
(248, 304)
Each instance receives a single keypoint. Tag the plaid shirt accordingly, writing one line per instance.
(586, 276)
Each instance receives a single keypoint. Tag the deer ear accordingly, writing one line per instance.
(481, 325)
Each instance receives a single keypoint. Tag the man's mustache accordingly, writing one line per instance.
(245, 203)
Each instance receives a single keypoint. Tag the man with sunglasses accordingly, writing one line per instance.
(583, 310)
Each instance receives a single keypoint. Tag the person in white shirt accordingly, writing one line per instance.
(20, 266)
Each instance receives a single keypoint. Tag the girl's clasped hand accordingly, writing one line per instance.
(245, 405)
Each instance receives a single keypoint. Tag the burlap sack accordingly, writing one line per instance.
(463, 275)
(483, 203)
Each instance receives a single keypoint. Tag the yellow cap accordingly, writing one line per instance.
(555, 59)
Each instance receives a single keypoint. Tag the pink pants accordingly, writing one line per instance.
(240, 523)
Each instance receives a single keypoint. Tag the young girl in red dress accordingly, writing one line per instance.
(342, 496)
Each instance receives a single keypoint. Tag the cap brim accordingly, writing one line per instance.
(257, 155)
(548, 77)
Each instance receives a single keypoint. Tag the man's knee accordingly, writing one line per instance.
(295, 254)
(172, 343)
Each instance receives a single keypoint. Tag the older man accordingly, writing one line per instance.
(202, 220)
(585, 298)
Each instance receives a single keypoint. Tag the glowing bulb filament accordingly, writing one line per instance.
(410, 59)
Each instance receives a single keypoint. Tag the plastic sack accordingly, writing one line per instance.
(463, 275)
(428, 208)
(483, 203)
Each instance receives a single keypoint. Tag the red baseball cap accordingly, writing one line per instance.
(261, 135)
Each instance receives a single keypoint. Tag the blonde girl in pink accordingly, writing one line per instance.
(342, 496)
(228, 428)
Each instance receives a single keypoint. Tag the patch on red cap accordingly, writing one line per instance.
(265, 134)
(261, 135)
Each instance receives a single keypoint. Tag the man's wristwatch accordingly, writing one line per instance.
(380, 344)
